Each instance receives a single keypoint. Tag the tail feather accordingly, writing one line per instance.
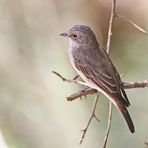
(125, 96)
(125, 114)
(122, 104)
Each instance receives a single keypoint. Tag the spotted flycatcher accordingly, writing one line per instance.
(94, 66)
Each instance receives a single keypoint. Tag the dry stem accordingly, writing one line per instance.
(113, 12)
(132, 23)
(92, 115)
(109, 124)
(129, 85)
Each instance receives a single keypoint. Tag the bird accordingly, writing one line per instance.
(94, 66)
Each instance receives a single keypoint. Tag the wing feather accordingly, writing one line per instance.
(102, 74)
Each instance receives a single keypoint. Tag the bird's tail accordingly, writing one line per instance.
(125, 114)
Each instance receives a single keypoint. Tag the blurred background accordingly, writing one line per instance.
(34, 112)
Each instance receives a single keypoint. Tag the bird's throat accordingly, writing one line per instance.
(73, 44)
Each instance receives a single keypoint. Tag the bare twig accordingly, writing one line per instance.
(138, 84)
(109, 124)
(92, 115)
(129, 85)
(110, 25)
(107, 50)
(70, 81)
(132, 23)
(82, 93)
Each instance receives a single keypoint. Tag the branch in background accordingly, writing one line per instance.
(132, 23)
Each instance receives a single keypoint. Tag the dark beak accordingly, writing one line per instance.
(64, 34)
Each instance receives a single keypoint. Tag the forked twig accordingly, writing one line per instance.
(70, 81)
(92, 115)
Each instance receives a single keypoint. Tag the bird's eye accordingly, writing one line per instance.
(74, 35)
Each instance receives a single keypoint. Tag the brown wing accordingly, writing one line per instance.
(101, 72)
(122, 90)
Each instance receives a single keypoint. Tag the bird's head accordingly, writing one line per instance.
(80, 35)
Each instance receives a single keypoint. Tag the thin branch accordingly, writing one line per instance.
(138, 84)
(110, 25)
(109, 124)
(92, 115)
(132, 23)
(87, 91)
(70, 81)
(81, 93)
(113, 9)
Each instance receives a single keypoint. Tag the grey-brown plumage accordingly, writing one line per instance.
(95, 67)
